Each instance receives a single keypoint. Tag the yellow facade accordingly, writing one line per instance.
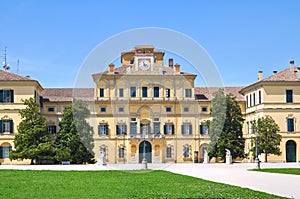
(144, 105)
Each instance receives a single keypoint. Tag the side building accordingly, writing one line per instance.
(279, 97)
(13, 89)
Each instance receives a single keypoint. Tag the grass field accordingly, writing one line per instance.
(114, 184)
(294, 171)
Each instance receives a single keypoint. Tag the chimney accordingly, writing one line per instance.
(177, 68)
(171, 63)
(260, 75)
(292, 66)
(111, 68)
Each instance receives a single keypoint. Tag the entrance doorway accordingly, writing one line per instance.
(290, 148)
(148, 151)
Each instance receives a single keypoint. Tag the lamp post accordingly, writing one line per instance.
(144, 161)
(256, 160)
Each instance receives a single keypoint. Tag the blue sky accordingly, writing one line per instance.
(53, 38)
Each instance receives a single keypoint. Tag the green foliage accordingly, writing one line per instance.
(268, 137)
(75, 137)
(32, 141)
(227, 127)
(115, 184)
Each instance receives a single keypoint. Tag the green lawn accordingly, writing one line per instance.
(294, 171)
(114, 184)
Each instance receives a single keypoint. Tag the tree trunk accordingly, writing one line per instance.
(266, 157)
(31, 163)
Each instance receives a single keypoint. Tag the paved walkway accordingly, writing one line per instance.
(235, 174)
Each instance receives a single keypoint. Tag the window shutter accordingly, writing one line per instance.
(173, 129)
(11, 125)
(191, 128)
(1, 95)
(165, 129)
(201, 130)
(106, 129)
(149, 129)
(182, 129)
(117, 126)
(12, 96)
(1, 152)
(125, 130)
(1, 131)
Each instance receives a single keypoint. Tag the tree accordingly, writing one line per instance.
(230, 129)
(268, 137)
(218, 113)
(75, 138)
(32, 141)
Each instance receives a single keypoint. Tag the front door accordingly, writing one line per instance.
(290, 149)
(148, 151)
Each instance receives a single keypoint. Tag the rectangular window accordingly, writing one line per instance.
(121, 109)
(121, 92)
(259, 97)
(188, 92)
(169, 152)
(289, 96)
(4, 151)
(254, 99)
(6, 126)
(290, 124)
(103, 129)
(101, 92)
(121, 129)
(168, 109)
(102, 109)
(186, 129)
(133, 128)
(168, 93)
(204, 109)
(250, 97)
(156, 128)
(186, 151)
(7, 96)
(50, 109)
(186, 109)
(51, 129)
(247, 102)
(169, 129)
(203, 129)
(156, 92)
(121, 152)
(144, 91)
(132, 91)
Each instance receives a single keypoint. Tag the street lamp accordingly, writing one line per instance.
(256, 160)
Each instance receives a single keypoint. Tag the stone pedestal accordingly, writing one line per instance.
(228, 159)
(144, 164)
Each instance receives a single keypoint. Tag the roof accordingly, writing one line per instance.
(206, 93)
(122, 70)
(8, 76)
(288, 74)
(67, 94)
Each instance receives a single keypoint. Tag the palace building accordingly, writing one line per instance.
(144, 108)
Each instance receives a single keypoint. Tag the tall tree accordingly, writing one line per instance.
(75, 138)
(228, 121)
(218, 113)
(32, 141)
(268, 137)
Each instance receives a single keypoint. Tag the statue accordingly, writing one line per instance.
(228, 157)
(228, 152)
(206, 157)
(102, 157)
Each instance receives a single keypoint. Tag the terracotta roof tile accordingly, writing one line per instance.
(288, 74)
(67, 94)
(205, 93)
(8, 76)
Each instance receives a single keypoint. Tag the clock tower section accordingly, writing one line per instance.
(144, 58)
